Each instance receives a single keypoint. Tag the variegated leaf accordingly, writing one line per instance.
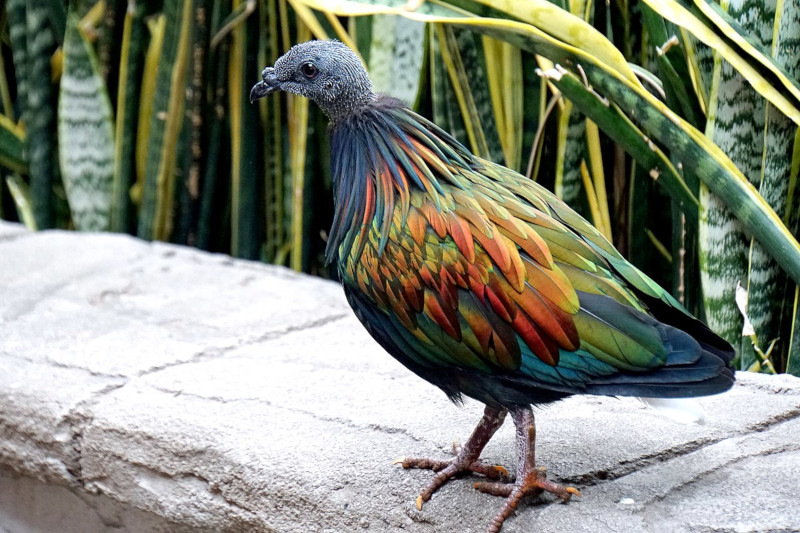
(736, 125)
(85, 134)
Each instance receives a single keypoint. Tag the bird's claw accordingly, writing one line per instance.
(501, 473)
(456, 447)
(419, 501)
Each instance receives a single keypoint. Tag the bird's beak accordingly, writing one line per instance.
(269, 84)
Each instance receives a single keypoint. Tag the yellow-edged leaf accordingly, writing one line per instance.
(785, 98)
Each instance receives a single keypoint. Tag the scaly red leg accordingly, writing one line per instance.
(467, 459)
(529, 480)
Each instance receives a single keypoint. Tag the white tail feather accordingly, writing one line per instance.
(683, 410)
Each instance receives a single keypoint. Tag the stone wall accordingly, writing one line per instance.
(150, 387)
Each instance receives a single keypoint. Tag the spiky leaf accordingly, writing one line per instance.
(85, 134)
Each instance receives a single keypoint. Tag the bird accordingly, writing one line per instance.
(481, 281)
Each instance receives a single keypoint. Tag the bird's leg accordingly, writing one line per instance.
(529, 479)
(467, 458)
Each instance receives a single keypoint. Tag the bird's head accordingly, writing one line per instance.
(326, 72)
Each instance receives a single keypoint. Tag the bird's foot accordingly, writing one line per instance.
(530, 479)
(447, 470)
(467, 459)
(532, 482)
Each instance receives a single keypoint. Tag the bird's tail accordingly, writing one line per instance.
(693, 361)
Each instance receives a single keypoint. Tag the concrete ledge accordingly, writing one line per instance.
(149, 387)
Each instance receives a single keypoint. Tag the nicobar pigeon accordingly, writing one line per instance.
(481, 281)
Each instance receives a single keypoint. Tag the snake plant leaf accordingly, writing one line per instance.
(766, 283)
(381, 52)
(20, 192)
(409, 53)
(793, 357)
(712, 166)
(672, 67)
(710, 26)
(246, 191)
(298, 147)
(37, 110)
(272, 118)
(568, 29)
(17, 35)
(128, 95)
(472, 56)
(85, 133)
(12, 145)
(58, 18)
(468, 79)
(778, 186)
(308, 19)
(504, 75)
(759, 52)
(569, 154)
(189, 190)
(736, 123)
(792, 299)
(443, 98)
(396, 54)
(165, 120)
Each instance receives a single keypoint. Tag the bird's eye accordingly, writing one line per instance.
(309, 70)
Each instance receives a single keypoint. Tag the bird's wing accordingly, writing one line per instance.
(478, 269)
(504, 283)
(574, 232)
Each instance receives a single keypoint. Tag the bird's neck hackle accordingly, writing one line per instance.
(381, 153)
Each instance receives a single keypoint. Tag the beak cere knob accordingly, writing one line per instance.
(259, 90)
(269, 84)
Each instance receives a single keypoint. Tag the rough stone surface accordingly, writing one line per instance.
(149, 387)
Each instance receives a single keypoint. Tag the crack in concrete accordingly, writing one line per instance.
(390, 430)
(203, 355)
(770, 388)
(95, 373)
(705, 473)
(245, 515)
(49, 362)
(592, 478)
(418, 517)
(19, 357)
(213, 353)
(316, 323)
(78, 419)
(779, 418)
(624, 468)
(111, 521)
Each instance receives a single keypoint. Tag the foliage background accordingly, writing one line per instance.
(671, 125)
